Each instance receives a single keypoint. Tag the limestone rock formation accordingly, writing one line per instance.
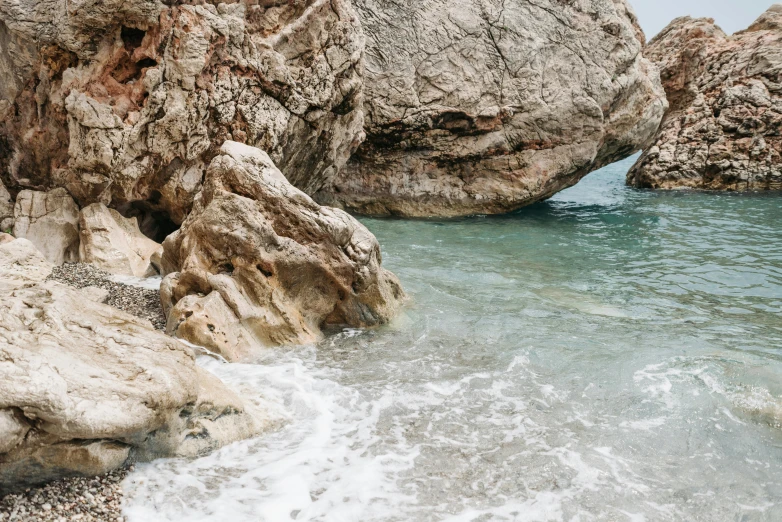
(258, 263)
(50, 220)
(85, 387)
(484, 106)
(723, 128)
(21, 264)
(125, 102)
(6, 210)
(115, 244)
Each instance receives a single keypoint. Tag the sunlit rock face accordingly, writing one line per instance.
(723, 128)
(258, 263)
(485, 106)
(125, 102)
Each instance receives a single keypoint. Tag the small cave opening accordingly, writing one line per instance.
(132, 38)
(127, 70)
(153, 222)
(145, 63)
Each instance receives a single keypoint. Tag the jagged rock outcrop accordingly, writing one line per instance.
(484, 106)
(257, 263)
(115, 244)
(723, 128)
(86, 387)
(50, 220)
(125, 102)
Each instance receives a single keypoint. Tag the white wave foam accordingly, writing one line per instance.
(322, 463)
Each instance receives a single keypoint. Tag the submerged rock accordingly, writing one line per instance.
(86, 387)
(487, 106)
(125, 102)
(115, 244)
(50, 220)
(258, 263)
(723, 128)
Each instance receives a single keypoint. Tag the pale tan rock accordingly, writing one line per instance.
(484, 106)
(259, 264)
(85, 387)
(21, 264)
(6, 210)
(723, 130)
(13, 428)
(94, 293)
(50, 221)
(115, 244)
(125, 102)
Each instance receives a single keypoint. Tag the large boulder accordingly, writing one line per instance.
(115, 244)
(723, 130)
(484, 106)
(258, 263)
(49, 220)
(125, 102)
(87, 388)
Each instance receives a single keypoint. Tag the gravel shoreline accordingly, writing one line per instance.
(97, 499)
(140, 302)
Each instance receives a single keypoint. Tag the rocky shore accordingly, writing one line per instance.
(79, 499)
(219, 146)
(141, 302)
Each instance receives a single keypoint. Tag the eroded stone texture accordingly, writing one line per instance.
(484, 106)
(257, 263)
(115, 244)
(722, 130)
(125, 102)
(85, 387)
(50, 220)
(6, 210)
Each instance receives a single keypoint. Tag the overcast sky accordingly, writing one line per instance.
(731, 15)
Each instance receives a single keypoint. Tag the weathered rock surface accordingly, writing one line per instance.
(85, 387)
(723, 128)
(484, 106)
(258, 263)
(125, 102)
(115, 244)
(50, 220)
(6, 210)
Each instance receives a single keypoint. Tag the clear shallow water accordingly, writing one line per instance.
(610, 354)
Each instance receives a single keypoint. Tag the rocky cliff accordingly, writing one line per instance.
(125, 102)
(485, 106)
(722, 130)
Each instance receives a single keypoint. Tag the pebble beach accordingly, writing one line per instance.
(97, 499)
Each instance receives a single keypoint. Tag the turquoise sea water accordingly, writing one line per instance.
(610, 354)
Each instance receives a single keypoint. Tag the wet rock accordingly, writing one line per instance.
(125, 102)
(722, 130)
(258, 263)
(115, 244)
(50, 220)
(87, 387)
(487, 106)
